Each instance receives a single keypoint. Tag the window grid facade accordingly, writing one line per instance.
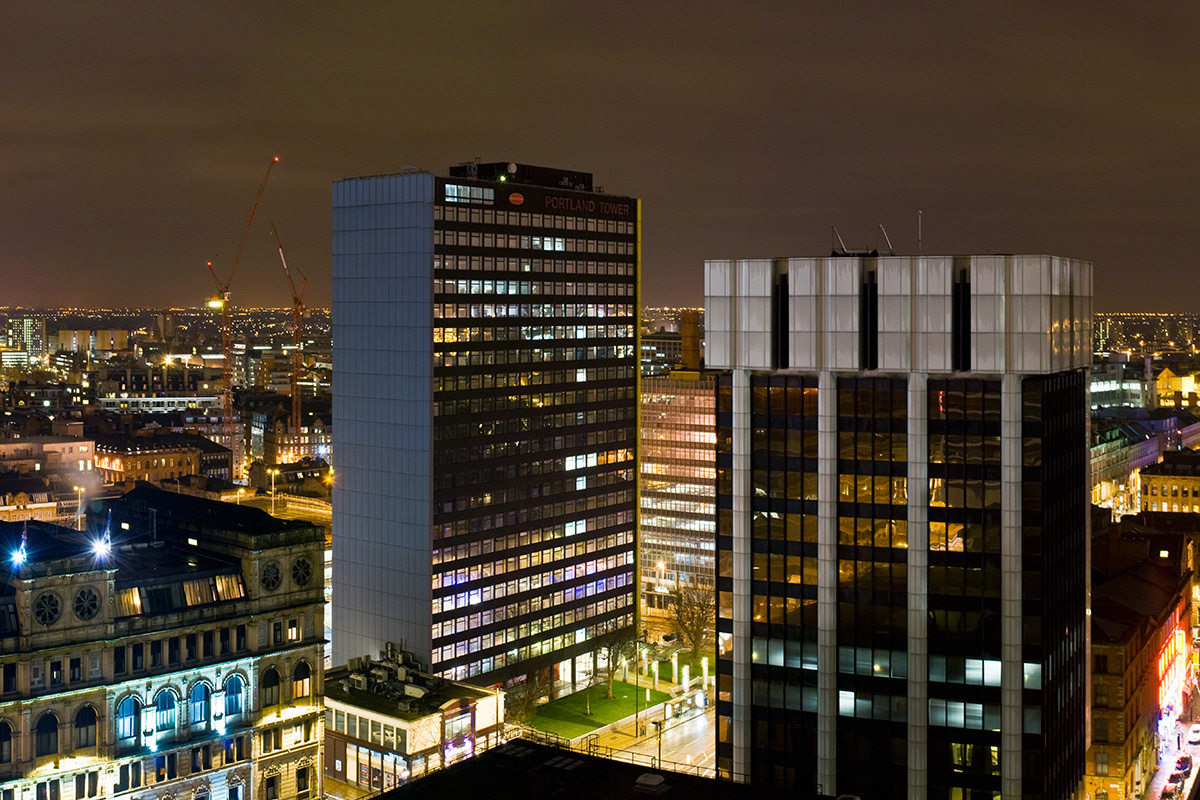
(678, 497)
(524, 473)
(901, 524)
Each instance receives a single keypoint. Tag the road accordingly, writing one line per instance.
(688, 744)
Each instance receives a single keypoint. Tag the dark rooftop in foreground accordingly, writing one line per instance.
(171, 508)
(523, 769)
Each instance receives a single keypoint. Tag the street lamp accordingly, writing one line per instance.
(637, 689)
(79, 509)
(239, 496)
(658, 723)
(273, 473)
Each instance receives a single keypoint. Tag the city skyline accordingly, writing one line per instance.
(134, 148)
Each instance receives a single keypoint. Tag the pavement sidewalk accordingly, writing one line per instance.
(1166, 764)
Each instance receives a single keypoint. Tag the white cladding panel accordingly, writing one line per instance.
(1028, 314)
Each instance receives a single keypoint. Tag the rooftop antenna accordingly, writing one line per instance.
(919, 213)
(891, 250)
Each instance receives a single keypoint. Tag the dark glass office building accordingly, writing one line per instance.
(485, 403)
(902, 524)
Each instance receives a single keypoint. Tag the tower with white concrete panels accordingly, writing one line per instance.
(902, 490)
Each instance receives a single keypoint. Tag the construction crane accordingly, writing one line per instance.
(221, 300)
(297, 331)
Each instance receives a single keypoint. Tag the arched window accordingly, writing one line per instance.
(164, 719)
(233, 695)
(5, 743)
(47, 735)
(270, 688)
(301, 681)
(128, 714)
(85, 727)
(200, 705)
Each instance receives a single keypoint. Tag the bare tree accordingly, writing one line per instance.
(615, 647)
(521, 699)
(612, 648)
(694, 609)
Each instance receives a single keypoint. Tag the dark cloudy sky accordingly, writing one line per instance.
(133, 135)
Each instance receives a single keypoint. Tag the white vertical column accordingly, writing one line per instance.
(1012, 675)
(918, 586)
(740, 474)
(827, 576)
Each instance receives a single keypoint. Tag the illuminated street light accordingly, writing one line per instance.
(272, 473)
(79, 509)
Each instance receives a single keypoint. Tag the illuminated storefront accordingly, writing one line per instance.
(1172, 669)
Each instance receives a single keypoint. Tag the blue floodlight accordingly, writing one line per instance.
(18, 557)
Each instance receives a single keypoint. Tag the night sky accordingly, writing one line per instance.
(134, 135)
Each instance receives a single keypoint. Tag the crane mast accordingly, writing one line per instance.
(297, 332)
(222, 300)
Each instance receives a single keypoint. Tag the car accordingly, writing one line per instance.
(1184, 764)
(1176, 777)
(1170, 791)
(1194, 734)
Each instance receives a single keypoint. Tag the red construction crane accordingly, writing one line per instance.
(221, 300)
(297, 329)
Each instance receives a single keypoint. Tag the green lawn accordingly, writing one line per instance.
(565, 716)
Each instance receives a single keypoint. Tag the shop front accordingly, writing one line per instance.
(1173, 673)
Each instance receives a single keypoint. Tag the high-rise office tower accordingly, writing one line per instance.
(28, 334)
(902, 542)
(485, 403)
(678, 468)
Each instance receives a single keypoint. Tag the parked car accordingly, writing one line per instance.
(1170, 791)
(1176, 777)
(1184, 764)
(1194, 734)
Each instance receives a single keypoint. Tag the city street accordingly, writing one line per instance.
(1166, 764)
(688, 743)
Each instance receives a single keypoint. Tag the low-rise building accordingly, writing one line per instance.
(387, 722)
(36, 453)
(1115, 381)
(171, 650)
(273, 441)
(306, 477)
(1173, 485)
(122, 458)
(1142, 672)
(1119, 451)
(23, 498)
